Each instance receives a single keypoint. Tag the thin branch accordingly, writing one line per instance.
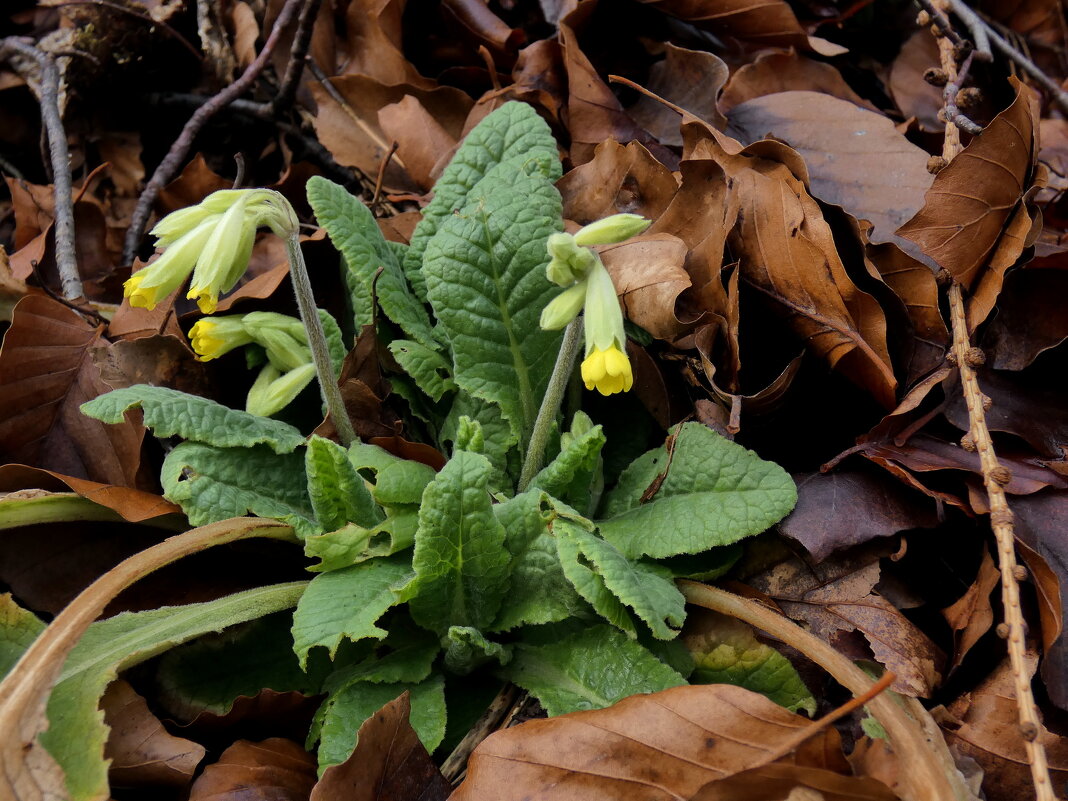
(295, 68)
(941, 21)
(48, 97)
(976, 28)
(488, 723)
(180, 149)
(949, 97)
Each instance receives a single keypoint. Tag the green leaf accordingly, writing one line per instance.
(715, 492)
(707, 566)
(212, 484)
(76, 733)
(648, 589)
(335, 340)
(571, 476)
(346, 604)
(725, 651)
(402, 483)
(588, 669)
(338, 494)
(460, 561)
(588, 582)
(468, 648)
(18, 629)
(538, 591)
(512, 132)
(209, 674)
(343, 714)
(498, 441)
(410, 657)
(485, 277)
(352, 543)
(430, 370)
(355, 233)
(170, 413)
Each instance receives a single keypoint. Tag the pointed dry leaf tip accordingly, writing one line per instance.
(212, 240)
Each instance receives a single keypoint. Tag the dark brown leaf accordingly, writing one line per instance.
(1031, 318)
(767, 22)
(617, 180)
(273, 770)
(912, 94)
(422, 141)
(691, 79)
(785, 71)
(971, 616)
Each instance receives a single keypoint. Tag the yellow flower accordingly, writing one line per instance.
(273, 390)
(152, 283)
(607, 371)
(214, 336)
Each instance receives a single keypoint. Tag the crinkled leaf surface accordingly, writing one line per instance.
(338, 494)
(485, 276)
(170, 413)
(571, 476)
(460, 562)
(346, 604)
(212, 484)
(589, 669)
(468, 648)
(713, 492)
(430, 371)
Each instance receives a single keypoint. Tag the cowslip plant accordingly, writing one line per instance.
(493, 567)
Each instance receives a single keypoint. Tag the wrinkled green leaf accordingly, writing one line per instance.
(430, 370)
(573, 474)
(353, 543)
(467, 648)
(338, 494)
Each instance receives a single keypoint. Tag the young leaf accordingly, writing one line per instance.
(646, 588)
(428, 368)
(76, 733)
(337, 491)
(514, 131)
(352, 543)
(498, 441)
(468, 648)
(346, 604)
(170, 413)
(538, 591)
(588, 669)
(572, 474)
(485, 276)
(460, 562)
(410, 657)
(18, 629)
(344, 713)
(355, 233)
(711, 492)
(212, 484)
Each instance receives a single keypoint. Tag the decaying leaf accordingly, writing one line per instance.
(276, 769)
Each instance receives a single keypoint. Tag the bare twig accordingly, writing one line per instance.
(295, 68)
(180, 149)
(488, 723)
(976, 28)
(994, 476)
(382, 173)
(949, 97)
(48, 97)
(940, 21)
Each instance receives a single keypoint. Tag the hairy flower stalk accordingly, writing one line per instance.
(212, 242)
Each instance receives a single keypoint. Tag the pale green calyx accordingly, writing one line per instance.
(611, 230)
(569, 262)
(562, 309)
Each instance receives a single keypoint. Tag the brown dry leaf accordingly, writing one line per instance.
(156, 360)
(794, 783)
(539, 78)
(691, 79)
(659, 747)
(768, 22)
(46, 373)
(122, 151)
(273, 770)
(422, 142)
(389, 763)
(141, 751)
(483, 27)
(195, 183)
(373, 44)
(849, 507)
(1031, 318)
(1040, 21)
(352, 131)
(785, 71)
(649, 276)
(618, 179)
(988, 730)
(972, 199)
(246, 31)
(132, 505)
(911, 93)
(971, 615)
(836, 597)
(12, 289)
(856, 159)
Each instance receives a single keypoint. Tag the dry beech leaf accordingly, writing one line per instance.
(648, 274)
(690, 79)
(768, 22)
(780, 782)
(676, 744)
(141, 751)
(1031, 318)
(618, 179)
(1040, 21)
(389, 763)
(132, 505)
(973, 198)
(971, 616)
(273, 770)
(46, 373)
(784, 71)
(373, 46)
(856, 159)
(421, 141)
(913, 96)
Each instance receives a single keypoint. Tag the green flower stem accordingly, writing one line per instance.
(298, 271)
(550, 403)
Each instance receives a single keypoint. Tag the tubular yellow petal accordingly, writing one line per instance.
(607, 371)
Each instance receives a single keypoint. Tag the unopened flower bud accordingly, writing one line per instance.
(616, 228)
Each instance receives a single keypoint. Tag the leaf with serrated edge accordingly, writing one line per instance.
(170, 413)
(212, 484)
(513, 131)
(647, 589)
(76, 733)
(338, 494)
(572, 473)
(587, 580)
(428, 368)
(715, 492)
(345, 712)
(467, 648)
(410, 657)
(352, 543)
(588, 669)
(355, 233)
(485, 276)
(18, 629)
(460, 562)
(346, 604)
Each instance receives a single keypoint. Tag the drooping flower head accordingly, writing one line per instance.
(588, 286)
(212, 240)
